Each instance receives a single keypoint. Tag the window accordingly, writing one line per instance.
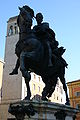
(57, 97)
(34, 87)
(16, 30)
(78, 106)
(77, 94)
(61, 99)
(54, 96)
(58, 82)
(38, 89)
(15, 23)
(61, 90)
(34, 76)
(39, 79)
(11, 30)
(57, 89)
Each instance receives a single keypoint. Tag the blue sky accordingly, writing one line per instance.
(63, 17)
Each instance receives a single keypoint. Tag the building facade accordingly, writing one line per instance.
(74, 93)
(1, 73)
(13, 86)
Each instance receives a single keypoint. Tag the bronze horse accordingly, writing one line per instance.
(33, 56)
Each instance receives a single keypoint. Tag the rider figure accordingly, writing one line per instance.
(45, 35)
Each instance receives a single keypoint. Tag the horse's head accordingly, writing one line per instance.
(27, 9)
(27, 14)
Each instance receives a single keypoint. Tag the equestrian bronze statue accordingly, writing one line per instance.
(37, 51)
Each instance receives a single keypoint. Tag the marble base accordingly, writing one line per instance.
(48, 111)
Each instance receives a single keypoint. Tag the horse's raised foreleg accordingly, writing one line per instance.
(23, 69)
(15, 70)
(65, 89)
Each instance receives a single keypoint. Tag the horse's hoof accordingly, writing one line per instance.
(44, 99)
(14, 72)
(49, 95)
(67, 103)
(26, 98)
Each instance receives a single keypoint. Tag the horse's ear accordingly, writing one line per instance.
(19, 8)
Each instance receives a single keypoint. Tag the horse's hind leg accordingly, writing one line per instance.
(46, 90)
(28, 90)
(65, 89)
(23, 69)
(44, 93)
(52, 87)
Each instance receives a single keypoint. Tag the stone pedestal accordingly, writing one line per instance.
(48, 111)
